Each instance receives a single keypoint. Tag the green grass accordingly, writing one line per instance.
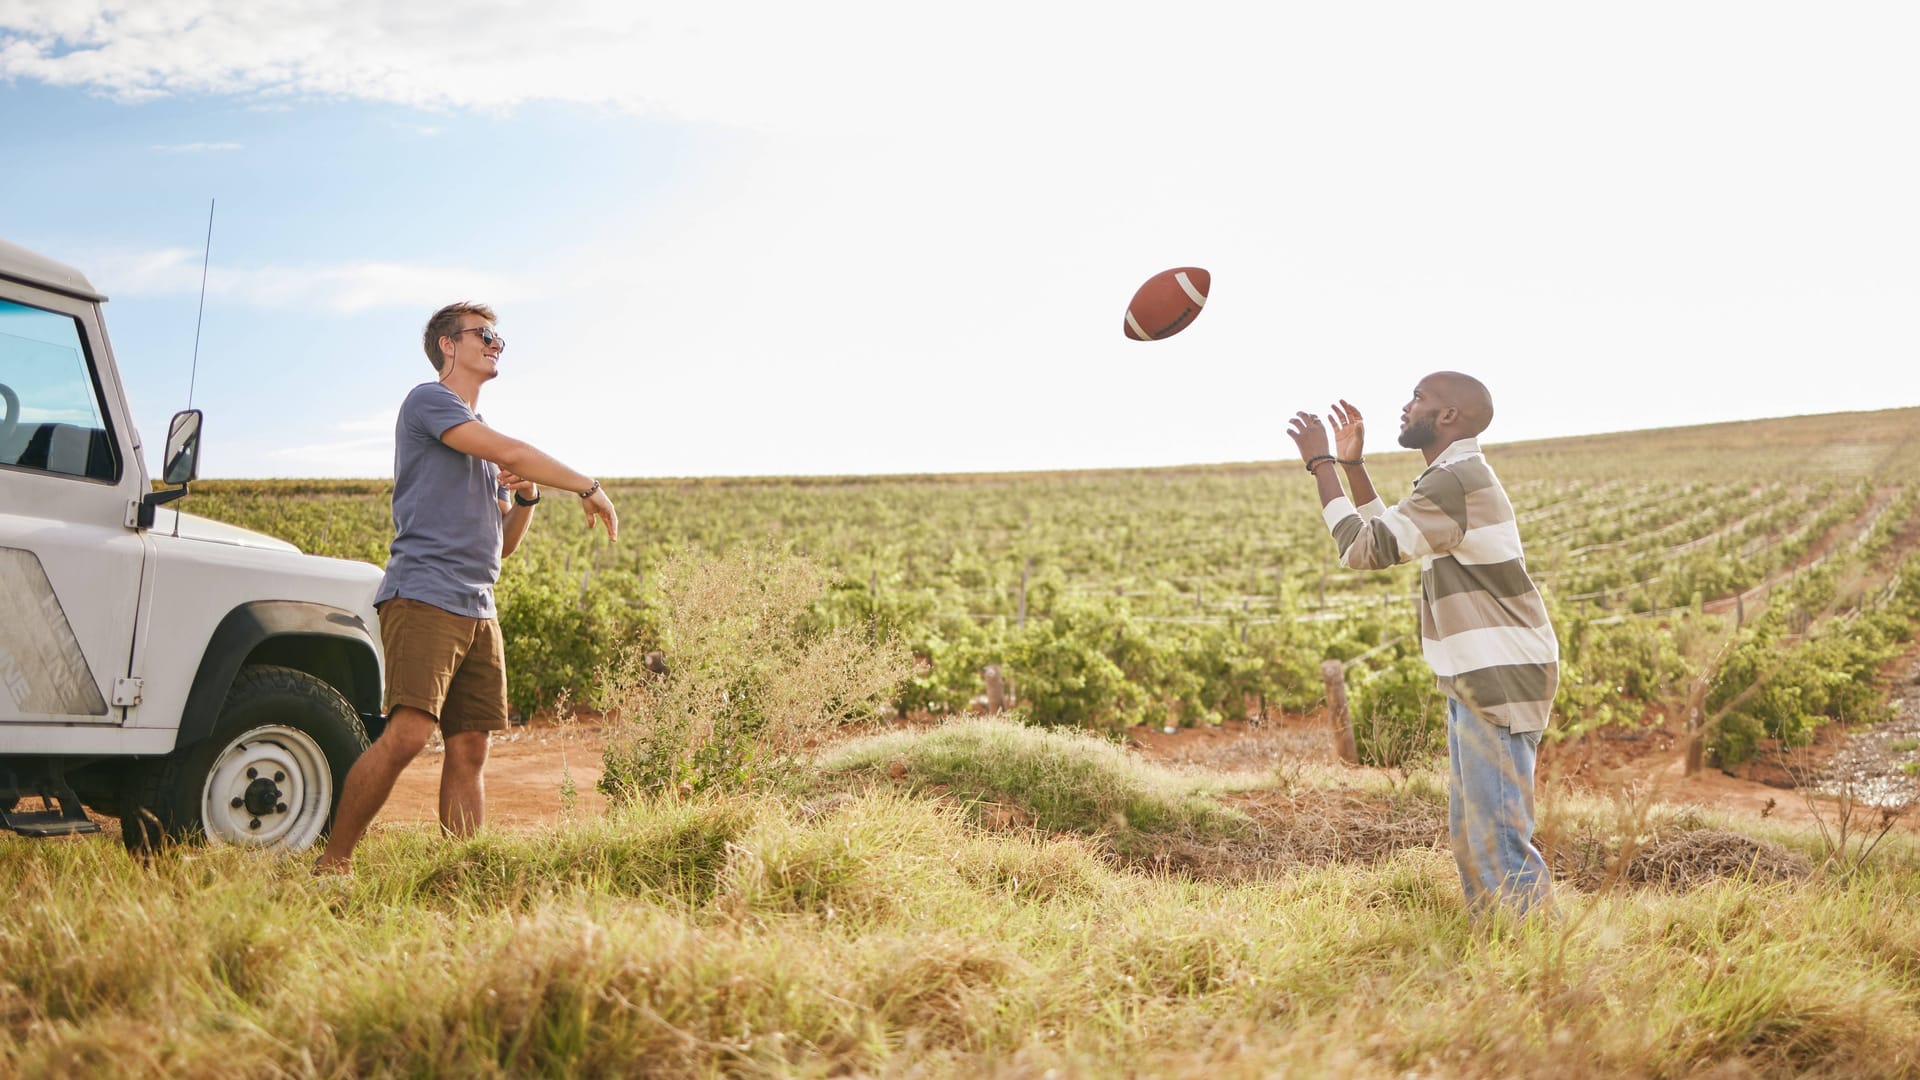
(1060, 780)
(880, 932)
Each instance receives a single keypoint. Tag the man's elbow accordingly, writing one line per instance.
(1361, 557)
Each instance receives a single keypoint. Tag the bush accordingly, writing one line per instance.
(754, 676)
(561, 627)
(1069, 667)
(1399, 714)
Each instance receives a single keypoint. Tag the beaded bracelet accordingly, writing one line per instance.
(1355, 461)
(1314, 461)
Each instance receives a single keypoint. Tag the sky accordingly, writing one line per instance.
(747, 238)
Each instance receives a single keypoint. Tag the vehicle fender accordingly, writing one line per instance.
(330, 643)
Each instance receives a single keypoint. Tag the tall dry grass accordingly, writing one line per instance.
(753, 677)
(885, 933)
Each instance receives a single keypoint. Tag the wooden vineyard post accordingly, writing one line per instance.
(1335, 674)
(996, 689)
(1021, 619)
(1696, 726)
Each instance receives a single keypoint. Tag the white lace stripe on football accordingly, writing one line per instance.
(1193, 294)
(1135, 323)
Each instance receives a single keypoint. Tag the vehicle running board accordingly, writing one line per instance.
(66, 819)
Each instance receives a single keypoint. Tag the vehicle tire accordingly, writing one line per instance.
(269, 776)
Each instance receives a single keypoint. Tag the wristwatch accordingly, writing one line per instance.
(518, 500)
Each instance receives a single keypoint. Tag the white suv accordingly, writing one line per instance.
(191, 677)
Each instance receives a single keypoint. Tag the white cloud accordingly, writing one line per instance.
(380, 421)
(346, 289)
(370, 456)
(362, 446)
(195, 147)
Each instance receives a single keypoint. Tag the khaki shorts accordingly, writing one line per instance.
(448, 666)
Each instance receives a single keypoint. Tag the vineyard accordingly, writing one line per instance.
(1766, 569)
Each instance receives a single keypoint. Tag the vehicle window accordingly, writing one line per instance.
(50, 414)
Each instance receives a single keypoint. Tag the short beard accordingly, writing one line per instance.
(1418, 435)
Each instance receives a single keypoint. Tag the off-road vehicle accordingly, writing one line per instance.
(192, 678)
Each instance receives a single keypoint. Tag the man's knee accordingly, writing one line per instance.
(407, 732)
(467, 751)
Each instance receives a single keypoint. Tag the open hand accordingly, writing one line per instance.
(1349, 432)
(1309, 434)
(598, 506)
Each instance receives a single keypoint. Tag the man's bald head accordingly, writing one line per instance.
(1465, 393)
(1447, 406)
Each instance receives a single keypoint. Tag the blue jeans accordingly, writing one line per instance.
(1490, 813)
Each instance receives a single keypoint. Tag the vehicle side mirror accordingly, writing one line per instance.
(181, 465)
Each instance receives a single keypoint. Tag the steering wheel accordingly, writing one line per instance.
(11, 419)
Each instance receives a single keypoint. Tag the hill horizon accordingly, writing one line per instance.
(1862, 428)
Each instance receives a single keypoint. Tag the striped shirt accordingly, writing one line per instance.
(1483, 625)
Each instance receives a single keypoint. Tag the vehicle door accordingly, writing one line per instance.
(70, 566)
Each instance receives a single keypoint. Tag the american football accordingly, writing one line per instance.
(1168, 303)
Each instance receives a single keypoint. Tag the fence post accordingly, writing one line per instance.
(1335, 674)
(996, 689)
(1025, 569)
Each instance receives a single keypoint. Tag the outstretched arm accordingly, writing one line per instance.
(526, 462)
(1424, 523)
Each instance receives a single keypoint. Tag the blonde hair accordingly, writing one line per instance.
(446, 323)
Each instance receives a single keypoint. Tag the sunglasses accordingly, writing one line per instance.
(487, 336)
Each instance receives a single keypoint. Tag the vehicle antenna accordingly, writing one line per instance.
(205, 258)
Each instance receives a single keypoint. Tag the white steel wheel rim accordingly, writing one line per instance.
(290, 762)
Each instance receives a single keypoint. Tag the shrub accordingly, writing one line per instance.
(754, 676)
(561, 627)
(1069, 667)
(1399, 714)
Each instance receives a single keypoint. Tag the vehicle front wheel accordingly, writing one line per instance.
(269, 776)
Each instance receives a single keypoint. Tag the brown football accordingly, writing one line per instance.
(1167, 304)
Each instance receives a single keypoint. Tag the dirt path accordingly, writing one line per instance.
(527, 773)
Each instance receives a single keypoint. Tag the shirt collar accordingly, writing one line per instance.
(1456, 450)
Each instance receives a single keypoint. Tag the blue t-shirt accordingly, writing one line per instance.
(446, 510)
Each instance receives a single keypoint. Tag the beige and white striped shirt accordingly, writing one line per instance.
(1483, 625)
